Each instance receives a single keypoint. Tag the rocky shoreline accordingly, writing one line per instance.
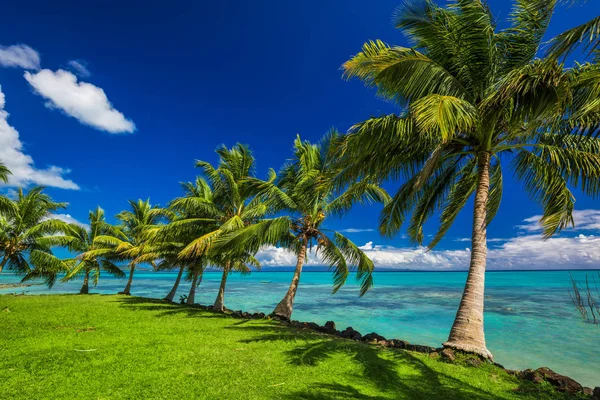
(561, 383)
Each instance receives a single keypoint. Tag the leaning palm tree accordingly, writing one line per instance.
(308, 190)
(221, 202)
(90, 266)
(130, 241)
(28, 232)
(474, 100)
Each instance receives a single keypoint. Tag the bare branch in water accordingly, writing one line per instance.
(585, 300)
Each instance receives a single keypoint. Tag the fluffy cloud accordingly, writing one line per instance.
(83, 101)
(19, 55)
(585, 220)
(80, 68)
(356, 230)
(20, 164)
(528, 251)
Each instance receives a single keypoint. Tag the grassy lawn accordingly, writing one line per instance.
(73, 346)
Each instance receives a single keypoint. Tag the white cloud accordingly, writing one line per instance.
(68, 219)
(489, 240)
(20, 164)
(80, 68)
(356, 230)
(585, 220)
(83, 101)
(528, 251)
(19, 55)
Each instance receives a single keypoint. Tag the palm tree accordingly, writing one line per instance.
(82, 242)
(130, 242)
(309, 191)
(4, 173)
(28, 232)
(221, 202)
(473, 99)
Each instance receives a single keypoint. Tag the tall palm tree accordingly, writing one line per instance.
(221, 202)
(130, 242)
(474, 100)
(308, 190)
(28, 232)
(90, 266)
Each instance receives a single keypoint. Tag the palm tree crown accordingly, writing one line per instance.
(28, 232)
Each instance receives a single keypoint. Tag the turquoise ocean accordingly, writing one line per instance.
(530, 321)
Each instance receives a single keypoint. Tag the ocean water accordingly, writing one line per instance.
(529, 318)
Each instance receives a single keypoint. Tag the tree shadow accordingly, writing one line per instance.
(393, 373)
(167, 308)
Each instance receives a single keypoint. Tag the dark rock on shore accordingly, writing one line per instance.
(329, 327)
(373, 338)
(596, 393)
(420, 349)
(398, 344)
(560, 382)
(350, 333)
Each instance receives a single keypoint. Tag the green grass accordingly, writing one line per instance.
(147, 349)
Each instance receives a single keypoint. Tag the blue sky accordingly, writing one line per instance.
(149, 87)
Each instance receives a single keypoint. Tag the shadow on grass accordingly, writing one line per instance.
(166, 308)
(392, 374)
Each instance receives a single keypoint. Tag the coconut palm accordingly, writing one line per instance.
(474, 101)
(82, 242)
(309, 192)
(130, 241)
(219, 203)
(28, 232)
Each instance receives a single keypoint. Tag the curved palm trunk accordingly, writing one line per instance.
(173, 291)
(467, 331)
(85, 289)
(127, 289)
(3, 263)
(197, 279)
(285, 307)
(220, 301)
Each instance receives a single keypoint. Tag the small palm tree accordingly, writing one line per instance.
(474, 100)
(28, 232)
(308, 189)
(130, 241)
(221, 202)
(82, 242)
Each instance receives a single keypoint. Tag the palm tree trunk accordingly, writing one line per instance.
(127, 289)
(195, 283)
(173, 291)
(285, 307)
(3, 263)
(85, 289)
(467, 331)
(220, 301)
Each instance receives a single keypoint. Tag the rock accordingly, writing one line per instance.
(420, 349)
(561, 382)
(435, 354)
(329, 326)
(383, 343)
(245, 315)
(596, 393)
(448, 354)
(399, 344)
(372, 337)
(259, 315)
(588, 391)
(531, 375)
(236, 314)
(312, 325)
(350, 333)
